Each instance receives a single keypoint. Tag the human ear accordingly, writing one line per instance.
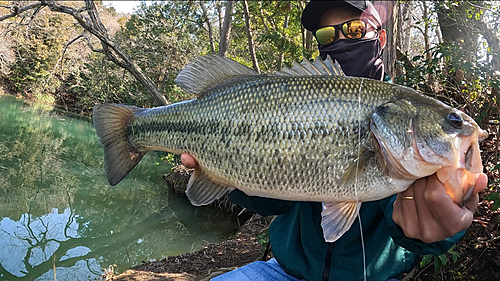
(383, 38)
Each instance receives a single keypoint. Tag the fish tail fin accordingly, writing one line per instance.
(110, 122)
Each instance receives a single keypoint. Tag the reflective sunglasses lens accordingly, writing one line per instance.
(325, 35)
(355, 29)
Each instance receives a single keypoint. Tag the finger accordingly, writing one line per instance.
(446, 213)
(397, 215)
(430, 230)
(406, 216)
(188, 160)
(472, 203)
(481, 183)
(409, 191)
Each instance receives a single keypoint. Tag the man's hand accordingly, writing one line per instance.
(424, 211)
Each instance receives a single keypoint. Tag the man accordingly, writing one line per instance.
(421, 220)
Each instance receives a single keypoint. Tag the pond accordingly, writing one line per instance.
(57, 210)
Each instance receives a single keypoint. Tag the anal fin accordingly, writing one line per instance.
(337, 218)
(201, 190)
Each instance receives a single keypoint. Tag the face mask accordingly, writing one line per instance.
(360, 58)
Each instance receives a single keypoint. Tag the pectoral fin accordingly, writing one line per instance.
(201, 190)
(337, 218)
(356, 167)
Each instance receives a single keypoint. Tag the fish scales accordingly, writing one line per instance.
(265, 134)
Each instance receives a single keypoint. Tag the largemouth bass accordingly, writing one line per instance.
(308, 134)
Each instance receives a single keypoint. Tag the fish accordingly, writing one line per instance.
(306, 133)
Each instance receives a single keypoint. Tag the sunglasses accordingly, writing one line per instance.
(352, 29)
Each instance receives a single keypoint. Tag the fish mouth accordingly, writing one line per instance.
(460, 177)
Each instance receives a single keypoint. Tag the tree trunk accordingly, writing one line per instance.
(389, 9)
(282, 54)
(219, 14)
(251, 46)
(403, 27)
(455, 24)
(309, 40)
(226, 29)
(209, 27)
(402, 37)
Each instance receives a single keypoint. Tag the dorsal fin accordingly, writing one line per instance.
(207, 71)
(319, 67)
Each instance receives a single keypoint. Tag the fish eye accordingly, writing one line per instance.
(455, 120)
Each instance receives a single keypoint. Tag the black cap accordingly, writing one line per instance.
(315, 9)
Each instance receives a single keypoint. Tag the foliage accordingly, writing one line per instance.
(495, 197)
(441, 260)
(36, 52)
(278, 30)
(459, 81)
(161, 37)
(161, 40)
(464, 74)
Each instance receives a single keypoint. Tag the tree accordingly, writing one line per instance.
(91, 22)
(251, 46)
(388, 10)
(226, 29)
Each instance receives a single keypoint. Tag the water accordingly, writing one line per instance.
(57, 210)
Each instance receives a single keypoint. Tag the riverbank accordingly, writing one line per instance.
(210, 261)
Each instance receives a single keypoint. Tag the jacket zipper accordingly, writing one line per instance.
(328, 262)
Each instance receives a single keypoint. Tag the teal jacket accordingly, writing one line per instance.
(299, 247)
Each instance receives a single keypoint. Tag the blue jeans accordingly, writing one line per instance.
(260, 270)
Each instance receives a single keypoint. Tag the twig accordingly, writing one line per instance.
(89, 44)
(60, 59)
(423, 270)
(476, 259)
(128, 256)
(492, 239)
(16, 10)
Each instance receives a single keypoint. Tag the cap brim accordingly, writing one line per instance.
(314, 10)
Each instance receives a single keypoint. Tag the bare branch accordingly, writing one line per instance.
(419, 28)
(60, 59)
(89, 44)
(110, 49)
(17, 11)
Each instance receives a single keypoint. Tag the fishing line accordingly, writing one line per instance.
(356, 180)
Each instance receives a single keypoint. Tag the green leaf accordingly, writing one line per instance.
(495, 205)
(496, 167)
(455, 256)
(439, 262)
(468, 65)
(425, 261)
(492, 196)
(443, 258)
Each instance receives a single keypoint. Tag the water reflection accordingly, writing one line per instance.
(30, 246)
(57, 210)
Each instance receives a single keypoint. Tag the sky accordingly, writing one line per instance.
(123, 6)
